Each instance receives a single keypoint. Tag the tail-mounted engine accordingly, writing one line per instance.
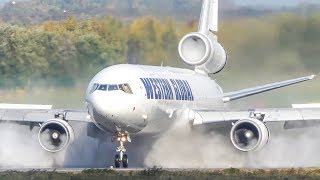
(203, 52)
(55, 135)
(249, 134)
(201, 49)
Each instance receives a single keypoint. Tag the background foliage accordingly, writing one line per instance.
(70, 50)
(63, 43)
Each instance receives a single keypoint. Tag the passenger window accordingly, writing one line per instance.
(94, 87)
(103, 87)
(113, 87)
(125, 88)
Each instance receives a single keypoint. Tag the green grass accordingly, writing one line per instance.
(59, 97)
(159, 173)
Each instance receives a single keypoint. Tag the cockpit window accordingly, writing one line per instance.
(103, 87)
(113, 87)
(125, 88)
(94, 87)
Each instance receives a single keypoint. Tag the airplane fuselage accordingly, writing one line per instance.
(138, 98)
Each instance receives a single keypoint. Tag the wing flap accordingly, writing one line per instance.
(259, 89)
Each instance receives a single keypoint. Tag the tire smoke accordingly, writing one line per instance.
(180, 147)
(20, 148)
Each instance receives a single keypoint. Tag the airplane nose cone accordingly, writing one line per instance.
(108, 104)
(117, 109)
(100, 102)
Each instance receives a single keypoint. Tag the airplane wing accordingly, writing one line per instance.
(40, 113)
(249, 128)
(292, 117)
(256, 90)
(55, 133)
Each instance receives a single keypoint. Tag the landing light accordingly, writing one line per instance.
(123, 139)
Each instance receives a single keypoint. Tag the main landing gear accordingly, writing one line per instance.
(121, 158)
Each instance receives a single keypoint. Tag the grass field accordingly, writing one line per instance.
(158, 173)
(59, 97)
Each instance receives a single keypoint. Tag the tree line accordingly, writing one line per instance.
(65, 52)
(62, 52)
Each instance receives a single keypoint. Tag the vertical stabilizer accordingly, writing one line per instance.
(209, 17)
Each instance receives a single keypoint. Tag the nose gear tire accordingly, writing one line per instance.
(125, 161)
(117, 161)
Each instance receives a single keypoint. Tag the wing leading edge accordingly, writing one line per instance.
(259, 89)
(40, 113)
(293, 118)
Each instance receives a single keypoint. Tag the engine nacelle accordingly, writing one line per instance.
(249, 134)
(203, 52)
(55, 135)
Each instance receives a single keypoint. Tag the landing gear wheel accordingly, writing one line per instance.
(117, 161)
(121, 158)
(125, 161)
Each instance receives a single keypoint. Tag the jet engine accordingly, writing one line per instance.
(55, 135)
(203, 51)
(249, 134)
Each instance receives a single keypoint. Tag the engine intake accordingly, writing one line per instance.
(249, 134)
(55, 135)
(203, 52)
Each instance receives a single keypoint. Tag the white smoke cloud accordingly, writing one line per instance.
(88, 152)
(182, 148)
(179, 147)
(19, 147)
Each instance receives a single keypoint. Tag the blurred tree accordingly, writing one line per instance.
(71, 23)
(64, 51)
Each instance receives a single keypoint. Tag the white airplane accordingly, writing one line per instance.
(127, 100)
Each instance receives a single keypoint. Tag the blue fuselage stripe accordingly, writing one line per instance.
(172, 89)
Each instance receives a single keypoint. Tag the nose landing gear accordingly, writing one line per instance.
(121, 158)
